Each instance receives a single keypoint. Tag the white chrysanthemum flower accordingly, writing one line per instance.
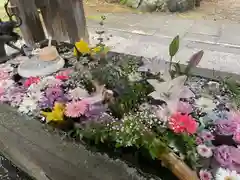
(6, 67)
(35, 87)
(6, 84)
(28, 105)
(36, 96)
(204, 151)
(226, 174)
(135, 76)
(205, 103)
(78, 93)
(43, 84)
(51, 81)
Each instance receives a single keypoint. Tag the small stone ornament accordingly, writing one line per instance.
(46, 62)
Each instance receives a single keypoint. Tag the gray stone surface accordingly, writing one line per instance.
(151, 35)
(46, 156)
(153, 5)
(133, 3)
(35, 67)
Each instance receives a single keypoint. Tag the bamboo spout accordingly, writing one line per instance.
(178, 167)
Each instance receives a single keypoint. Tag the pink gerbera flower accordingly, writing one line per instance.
(31, 80)
(180, 123)
(76, 108)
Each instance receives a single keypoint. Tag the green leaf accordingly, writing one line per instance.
(174, 46)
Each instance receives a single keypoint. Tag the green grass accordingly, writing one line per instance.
(3, 14)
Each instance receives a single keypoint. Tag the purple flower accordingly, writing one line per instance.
(226, 127)
(16, 99)
(235, 154)
(46, 103)
(54, 93)
(206, 135)
(95, 110)
(223, 156)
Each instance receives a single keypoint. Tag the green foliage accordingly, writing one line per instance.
(174, 46)
(131, 98)
(184, 144)
(123, 1)
(234, 88)
(133, 130)
(193, 62)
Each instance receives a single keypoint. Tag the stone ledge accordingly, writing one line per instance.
(44, 156)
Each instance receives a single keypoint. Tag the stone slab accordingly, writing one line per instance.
(230, 34)
(205, 27)
(215, 57)
(213, 47)
(219, 39)
(45, 156)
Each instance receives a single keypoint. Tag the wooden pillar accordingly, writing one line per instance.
(54, 24)
(73, 19)
(80, 19)
(31, 27)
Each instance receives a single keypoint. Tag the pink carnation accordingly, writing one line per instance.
(198, 141)
(4, 75)
(2, 91)
(31, 80)
(63, 75)
(236, 137)
(207, 135)
(205, 175)
(76, 109)
(182, 123)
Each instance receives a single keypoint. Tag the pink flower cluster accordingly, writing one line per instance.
(31, 80)
(181, 123)
(228, 157)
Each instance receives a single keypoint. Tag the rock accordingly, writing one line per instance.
(133, 3)
(180, 5)
(113, 1)
(152, 5)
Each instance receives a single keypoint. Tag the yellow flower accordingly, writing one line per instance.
(100, 49)
(57, 113)
(82, 47)
(96, 49)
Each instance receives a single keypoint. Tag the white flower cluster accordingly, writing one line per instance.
(130, 130)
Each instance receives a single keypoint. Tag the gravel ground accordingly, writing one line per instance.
(209, 10)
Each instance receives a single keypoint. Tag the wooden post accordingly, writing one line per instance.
(65, 19)
(80, 19)
(53, 23)
(73, 13)
(31, 27)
